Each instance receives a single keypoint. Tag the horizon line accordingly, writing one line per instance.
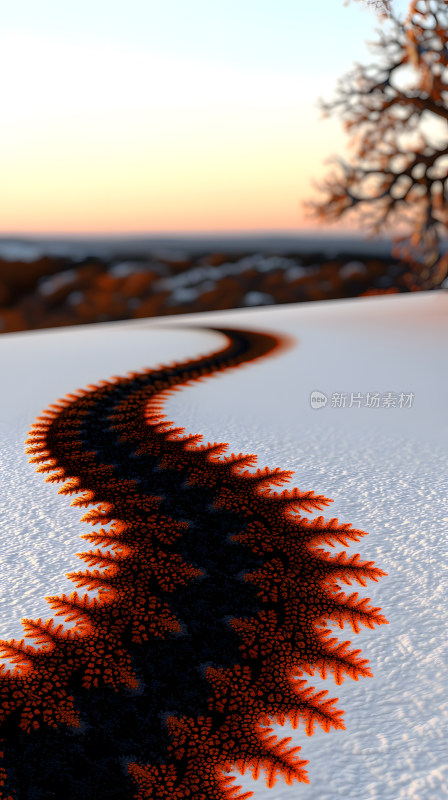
(197, 234)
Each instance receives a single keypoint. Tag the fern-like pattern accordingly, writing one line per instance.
(213, 598)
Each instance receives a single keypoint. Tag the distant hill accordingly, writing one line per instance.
(29, 248)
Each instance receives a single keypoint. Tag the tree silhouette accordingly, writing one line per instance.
(401, 176)
(383, 7)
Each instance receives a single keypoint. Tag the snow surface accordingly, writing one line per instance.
(385, 469)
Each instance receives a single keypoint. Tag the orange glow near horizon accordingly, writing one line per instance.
(162, 186)
(131, 136)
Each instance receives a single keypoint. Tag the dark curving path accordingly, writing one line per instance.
(213, 600)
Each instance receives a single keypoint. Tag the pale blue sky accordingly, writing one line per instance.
(169, 116)
(279, 36)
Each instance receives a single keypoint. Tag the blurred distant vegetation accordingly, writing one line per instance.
(51, 292)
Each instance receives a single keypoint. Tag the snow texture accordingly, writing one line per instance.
(385, 469)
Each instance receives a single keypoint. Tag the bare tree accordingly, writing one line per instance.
(402, 177)
(383, 7)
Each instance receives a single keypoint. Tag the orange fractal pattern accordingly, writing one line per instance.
(213, 599)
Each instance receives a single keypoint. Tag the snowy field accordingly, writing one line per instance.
(384, 467)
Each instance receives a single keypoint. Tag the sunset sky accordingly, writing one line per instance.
(162, 117)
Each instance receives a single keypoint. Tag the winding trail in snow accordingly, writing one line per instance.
(213, 597)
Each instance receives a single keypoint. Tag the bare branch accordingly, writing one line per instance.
(382, 7)
(388, 178)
